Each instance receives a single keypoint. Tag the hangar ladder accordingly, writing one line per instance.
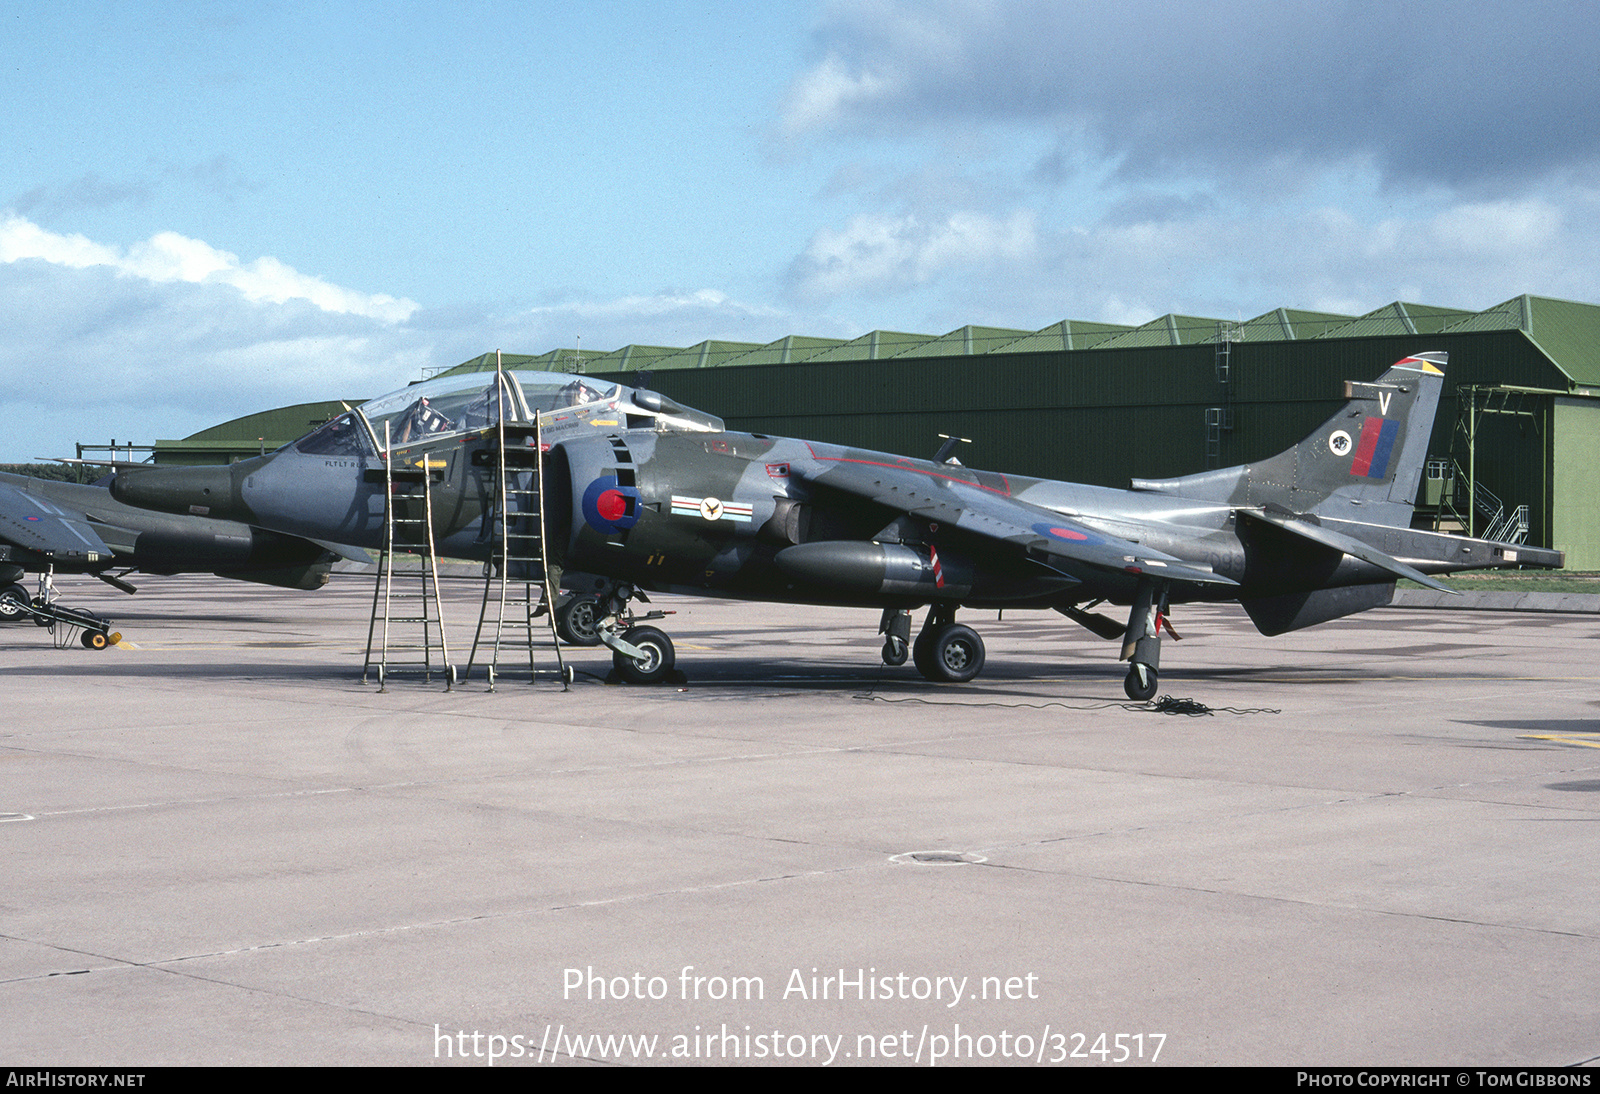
(518, 565)
(408, 528)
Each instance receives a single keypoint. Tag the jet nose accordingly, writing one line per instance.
(201, 491)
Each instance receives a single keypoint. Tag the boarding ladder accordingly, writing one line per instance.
(517, 578)
(407, 625)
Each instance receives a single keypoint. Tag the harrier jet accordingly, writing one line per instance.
(640, 494)
(62, 527)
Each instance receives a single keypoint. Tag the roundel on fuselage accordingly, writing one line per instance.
(609, 507)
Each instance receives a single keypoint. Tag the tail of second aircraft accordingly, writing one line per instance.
(1363, 464)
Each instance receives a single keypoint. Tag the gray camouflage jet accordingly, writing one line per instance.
(49, 527)
(641, 494)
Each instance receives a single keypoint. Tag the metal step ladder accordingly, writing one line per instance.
(518, 576)
(407, 629)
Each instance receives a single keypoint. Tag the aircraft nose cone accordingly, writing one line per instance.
(201, 491)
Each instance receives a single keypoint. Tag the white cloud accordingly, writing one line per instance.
(1226, 259)
(879, 254)
(666, 318)
(172, 335)
(21, 238)
(1498, 228)
(1444, 90)
(826, 94)
(170, 257)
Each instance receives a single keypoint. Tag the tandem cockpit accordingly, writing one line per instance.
(327, 485)
(468, 403)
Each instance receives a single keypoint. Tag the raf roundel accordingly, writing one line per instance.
(609, 507)
(1057, 532)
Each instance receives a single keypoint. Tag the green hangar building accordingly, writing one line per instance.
(1515, 453)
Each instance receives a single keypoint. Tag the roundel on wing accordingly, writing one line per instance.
(609, 507)
(1053, 531)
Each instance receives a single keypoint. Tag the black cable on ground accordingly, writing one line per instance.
(1167, 704)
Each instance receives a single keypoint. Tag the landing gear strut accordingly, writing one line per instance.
(895, 626)
(1141, 645)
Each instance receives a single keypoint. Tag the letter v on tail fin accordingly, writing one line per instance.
(1363, 464)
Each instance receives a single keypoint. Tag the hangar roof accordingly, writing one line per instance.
(1567, 332)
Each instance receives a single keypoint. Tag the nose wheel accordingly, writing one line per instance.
(654, 661)
(639, 655)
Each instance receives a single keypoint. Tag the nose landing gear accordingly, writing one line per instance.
(639, 654)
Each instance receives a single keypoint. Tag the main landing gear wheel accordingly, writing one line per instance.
(578, 619)
(952, 654)
(657, 662)
(894, 652)
(1141, 683)
(13, 600)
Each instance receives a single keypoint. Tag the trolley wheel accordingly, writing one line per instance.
(94, 640)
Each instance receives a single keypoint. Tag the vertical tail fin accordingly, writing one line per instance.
(1364, 463)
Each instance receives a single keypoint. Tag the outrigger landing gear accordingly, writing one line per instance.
(945, 651)
(1141, 645)
(895, 626)
(639, 655)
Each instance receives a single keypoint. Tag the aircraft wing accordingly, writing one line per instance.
(1042, 535)
(33, 523)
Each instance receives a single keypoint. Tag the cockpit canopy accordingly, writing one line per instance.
(466, 402)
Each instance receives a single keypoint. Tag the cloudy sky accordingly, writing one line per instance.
(210, 208)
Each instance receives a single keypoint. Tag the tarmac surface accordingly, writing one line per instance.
(221, 847)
